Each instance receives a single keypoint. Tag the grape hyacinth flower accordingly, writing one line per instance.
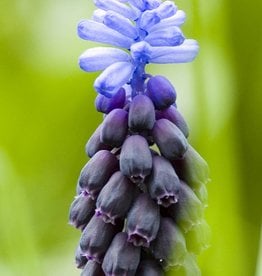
(141, 196)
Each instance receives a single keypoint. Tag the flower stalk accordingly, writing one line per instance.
(141, 197)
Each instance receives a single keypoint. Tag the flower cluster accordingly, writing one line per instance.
(141, 196)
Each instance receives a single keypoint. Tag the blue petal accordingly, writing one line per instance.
(113, 78)
(166, 9)
(185, 52)
(151, 17)
(99, 58)
(175, 20)
(166, 37)
(98, 32)
(118, 7)
(148, 19)
(138, 4)
(121, 24)
(152, 4)
(98, 15)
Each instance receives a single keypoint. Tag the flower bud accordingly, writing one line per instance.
(141, 114)
(143, 221)
(170, 139)
(169, 247)
(115, 198)
(79, 258)
(188, 211)
(122, 258)
(161, 92)
(189, 267)
(81, 211)
(92, 269)
(198, 238)
(96, 172)
(114, 128)
(94, 143)
(96, 238)
(149, 268)
(172, 114)
(163, 183)
(105, 105)
(135, 158)
(192, 168)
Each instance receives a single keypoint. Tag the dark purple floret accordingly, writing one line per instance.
(188, 211)
(79, 258)
(115, 198)
(170, 139)
(149, 267)
(122, 258)
(163, 183)
(192, 168)
(114, 128)
(97, 172)
(135, 158)
(92, 268)
(169, 247)
(81, 211)
(141, 114)
(143, 221)
(94, 143)
(105, 105)
(96, 238)
(161, 92)
(172, 114)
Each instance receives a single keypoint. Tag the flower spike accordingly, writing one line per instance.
(142, 195)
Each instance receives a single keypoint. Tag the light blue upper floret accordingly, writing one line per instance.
(147, 30)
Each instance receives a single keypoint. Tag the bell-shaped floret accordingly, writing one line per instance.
(169, 139)
(96, 238)
(135, 158)
(122, 257)
(114, 128)
(105, 105)
(97, 172)
(94, 143)
(92, 268)
(189, 267)
(80, 259)
(163, 183)
(141, 114)
(115, 198)
(192, 168)
(161, 92)
(143, 221)
(172, 114)
(149, 267)
(188, 211)
(169, 247)
(81, 211)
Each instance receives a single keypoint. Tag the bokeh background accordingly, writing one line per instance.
(47, 114)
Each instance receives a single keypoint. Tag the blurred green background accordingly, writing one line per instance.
(47, 114)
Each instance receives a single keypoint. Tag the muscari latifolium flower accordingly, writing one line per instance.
(141, 196)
